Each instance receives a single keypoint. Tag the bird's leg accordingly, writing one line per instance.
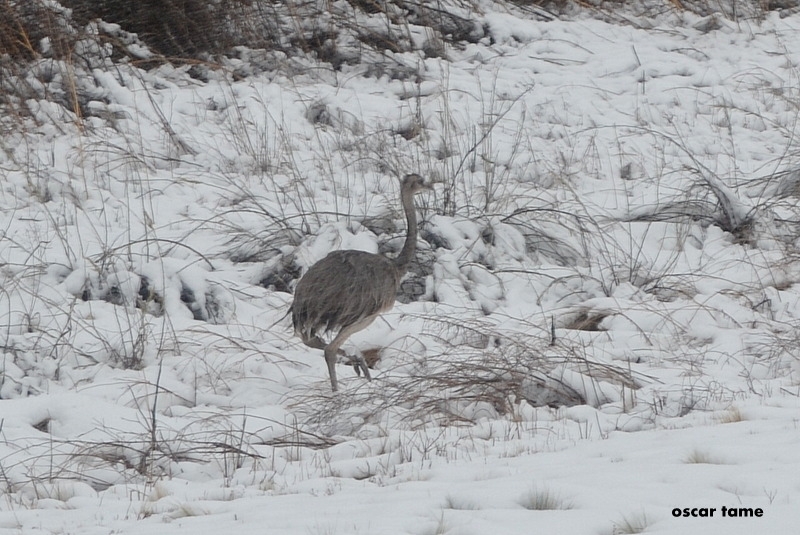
(332, 349)
(330, 360)
(359, 365)
(358, 362)
(314, 342)
(364, 367)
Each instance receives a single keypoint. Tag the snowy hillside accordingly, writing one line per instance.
(602, 323)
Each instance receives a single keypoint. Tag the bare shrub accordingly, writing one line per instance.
(538, 499)
(173, 28)
(25, 25)
(462, 384)
(631, 524)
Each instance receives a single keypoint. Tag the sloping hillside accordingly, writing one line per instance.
(600, 326)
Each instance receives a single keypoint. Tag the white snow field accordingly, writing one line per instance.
(603, 324)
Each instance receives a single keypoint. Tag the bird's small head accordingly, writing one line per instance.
(413, 183)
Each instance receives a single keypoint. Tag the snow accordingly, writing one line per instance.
(608, 328)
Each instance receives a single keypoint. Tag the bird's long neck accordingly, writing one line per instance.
(406, 255)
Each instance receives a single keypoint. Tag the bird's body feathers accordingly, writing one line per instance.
(341, 289)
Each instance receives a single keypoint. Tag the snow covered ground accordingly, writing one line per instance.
(602, 326)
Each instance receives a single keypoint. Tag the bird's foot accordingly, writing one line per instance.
(359, 365)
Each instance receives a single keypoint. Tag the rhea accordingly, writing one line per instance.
(345, 291)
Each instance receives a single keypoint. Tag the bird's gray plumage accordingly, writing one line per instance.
(347, 290)
(341, 289)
